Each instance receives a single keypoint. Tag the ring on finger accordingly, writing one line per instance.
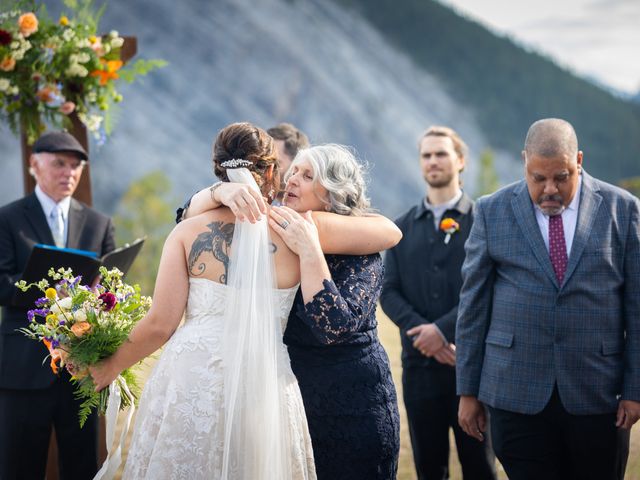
(284, 224)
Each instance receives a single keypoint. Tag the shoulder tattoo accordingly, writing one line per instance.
(216, 241)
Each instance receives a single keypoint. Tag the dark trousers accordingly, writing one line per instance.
(26, 419)
(429, 422)
(556, 445)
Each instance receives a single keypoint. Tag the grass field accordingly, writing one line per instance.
(391, 341)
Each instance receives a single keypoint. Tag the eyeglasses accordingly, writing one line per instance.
(59, 163)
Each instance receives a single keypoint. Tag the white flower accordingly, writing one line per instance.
(68, 34)
(83, 57)
(77, 70)
(14, 45)
(4, 84)
(92, 96)
(65, 303)
(113, 33)
(18, 55)
(117, 42)
(80, 315)
(13, 90)
(83, 43)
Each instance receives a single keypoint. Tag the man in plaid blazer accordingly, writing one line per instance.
(548, 330)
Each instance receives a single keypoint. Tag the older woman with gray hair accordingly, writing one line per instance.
(342, 369)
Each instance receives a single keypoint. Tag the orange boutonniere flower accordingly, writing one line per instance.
(449, 226)
(108, 72)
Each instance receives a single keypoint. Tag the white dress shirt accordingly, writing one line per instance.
(48, 204)
(569, 220)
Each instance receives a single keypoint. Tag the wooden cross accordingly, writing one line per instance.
(82, 193)
(79, 131)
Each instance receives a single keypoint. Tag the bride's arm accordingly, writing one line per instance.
(157, 326)
(244, 202)
(345, 235)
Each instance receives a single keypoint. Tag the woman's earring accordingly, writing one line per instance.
(271, 193)
(327, 208)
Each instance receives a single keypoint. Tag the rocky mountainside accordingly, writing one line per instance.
(314, 63)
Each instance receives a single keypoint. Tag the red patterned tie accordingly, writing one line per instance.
(557, 247)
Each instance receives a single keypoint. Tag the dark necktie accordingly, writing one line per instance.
(557, 247)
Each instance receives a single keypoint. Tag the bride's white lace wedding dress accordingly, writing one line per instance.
(179, 430)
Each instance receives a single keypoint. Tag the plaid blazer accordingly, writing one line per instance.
(519, 332)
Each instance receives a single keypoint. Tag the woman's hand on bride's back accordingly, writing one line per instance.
(298, 231)
(244, 201)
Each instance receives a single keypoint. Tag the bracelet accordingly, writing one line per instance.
(212, 190)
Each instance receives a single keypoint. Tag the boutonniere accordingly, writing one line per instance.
(449, 226)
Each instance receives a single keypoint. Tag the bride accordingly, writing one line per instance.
(222, 401)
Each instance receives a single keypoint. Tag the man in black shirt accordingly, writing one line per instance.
(420, 294)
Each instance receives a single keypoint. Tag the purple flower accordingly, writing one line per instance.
(55, 343)
(108, 300)
(76, 281)
(41, 312)
(61, 322)
(42, 301)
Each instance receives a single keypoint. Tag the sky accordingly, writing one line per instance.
(597, 39)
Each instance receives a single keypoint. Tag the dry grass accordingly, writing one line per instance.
(389, 337)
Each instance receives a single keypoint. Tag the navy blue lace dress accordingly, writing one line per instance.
(344, 374)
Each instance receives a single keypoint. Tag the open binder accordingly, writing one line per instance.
(81, 262)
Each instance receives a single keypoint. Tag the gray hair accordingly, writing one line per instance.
(335, 167)
(551, 137)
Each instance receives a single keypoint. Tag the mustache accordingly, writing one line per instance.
(549, 198)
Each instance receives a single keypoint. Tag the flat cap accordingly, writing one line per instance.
(59, 142)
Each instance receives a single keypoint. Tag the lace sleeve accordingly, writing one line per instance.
(347, 303)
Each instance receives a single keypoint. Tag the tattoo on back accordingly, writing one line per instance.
(216, 241)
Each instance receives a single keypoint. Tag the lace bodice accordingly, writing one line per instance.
(207, 301)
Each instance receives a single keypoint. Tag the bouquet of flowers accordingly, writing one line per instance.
(49, 69)
(83, 325)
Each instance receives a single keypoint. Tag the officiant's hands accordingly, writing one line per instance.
(103, 374)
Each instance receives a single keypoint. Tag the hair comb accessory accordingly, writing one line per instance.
(236, 163)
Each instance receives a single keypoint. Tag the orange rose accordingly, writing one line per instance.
(7, 64)
(28, 24)
(81, 328)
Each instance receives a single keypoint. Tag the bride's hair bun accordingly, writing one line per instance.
(245, 145)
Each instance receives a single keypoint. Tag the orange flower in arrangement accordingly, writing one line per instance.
(28, 24)
(109, 72)
(56, 358)
(7, 64)
(449, 226)
(81, 328)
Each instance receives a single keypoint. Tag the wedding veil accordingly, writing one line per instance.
(256, 446)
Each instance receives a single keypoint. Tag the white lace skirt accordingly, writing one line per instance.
(179, 426)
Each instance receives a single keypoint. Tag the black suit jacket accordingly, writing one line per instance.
(22, 225)
(422, 285)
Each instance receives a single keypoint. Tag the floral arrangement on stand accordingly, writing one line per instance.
(81, 325)
(51, 69)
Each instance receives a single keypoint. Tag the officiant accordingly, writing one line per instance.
(32, 399)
